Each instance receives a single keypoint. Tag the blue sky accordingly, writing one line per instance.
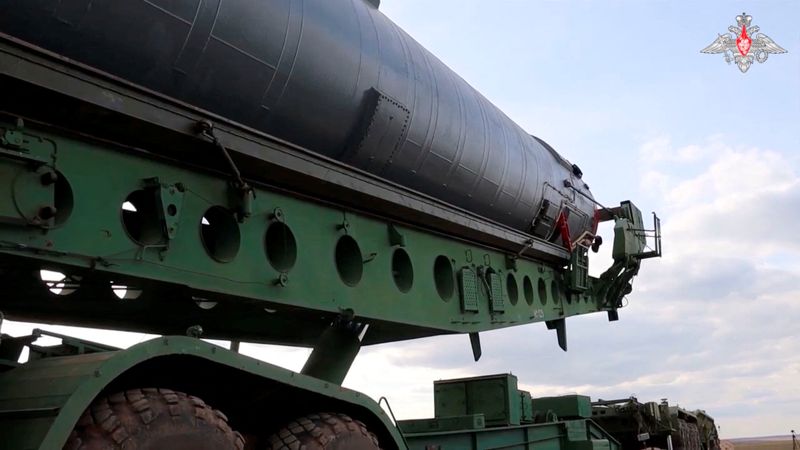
(621, 89)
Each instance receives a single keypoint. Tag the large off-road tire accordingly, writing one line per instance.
(152, 419)
(324, 431)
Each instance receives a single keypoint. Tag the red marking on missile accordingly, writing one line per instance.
(563, 227)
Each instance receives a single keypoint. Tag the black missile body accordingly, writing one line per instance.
(334, 76)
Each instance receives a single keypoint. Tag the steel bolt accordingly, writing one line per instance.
(282, 280)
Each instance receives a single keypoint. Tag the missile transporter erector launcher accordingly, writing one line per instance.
(290, 172)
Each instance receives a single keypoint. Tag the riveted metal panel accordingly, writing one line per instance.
(381, 132)
(579, 270)
(468, 288)
(496, 292)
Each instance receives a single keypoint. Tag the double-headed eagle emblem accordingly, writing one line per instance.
(744, 44)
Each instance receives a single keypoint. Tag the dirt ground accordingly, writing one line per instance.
(756, 444)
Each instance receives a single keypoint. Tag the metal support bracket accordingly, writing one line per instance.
(560, 325)
(395, 238)
(170, 200)
(336, 350)
(244, 193)
(475, 342)
(14, 138)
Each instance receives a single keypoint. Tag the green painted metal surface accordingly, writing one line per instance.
(494, 396)
(490, 412)
(565, 406)
(296, 257)
(41, 401)
(565, 435)
(526, 406)
(438, 424)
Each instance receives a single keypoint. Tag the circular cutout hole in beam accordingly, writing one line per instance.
(349, 262)
(220, 234)
(125, 292)
(140, 218)
(402, 270)
(62, 198)
(542, 288)
(512, 289)
(527, 290)
(58, 283)
(281, 246)
(443, 277)
(555, 292)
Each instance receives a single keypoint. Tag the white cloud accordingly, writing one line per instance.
(731, 201)
(729, 275)
(661, 150)
(655, 182)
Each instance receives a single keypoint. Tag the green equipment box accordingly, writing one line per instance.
(565, 406)
(494, 396)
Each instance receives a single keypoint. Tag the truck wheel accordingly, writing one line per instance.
(324, 431)
(152, 419)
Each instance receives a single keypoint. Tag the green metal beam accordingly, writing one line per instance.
(559, 435)
(294, 258)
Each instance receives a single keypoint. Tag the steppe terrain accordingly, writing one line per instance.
(759, 443)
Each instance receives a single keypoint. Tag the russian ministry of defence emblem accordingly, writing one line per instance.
(744, 44)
